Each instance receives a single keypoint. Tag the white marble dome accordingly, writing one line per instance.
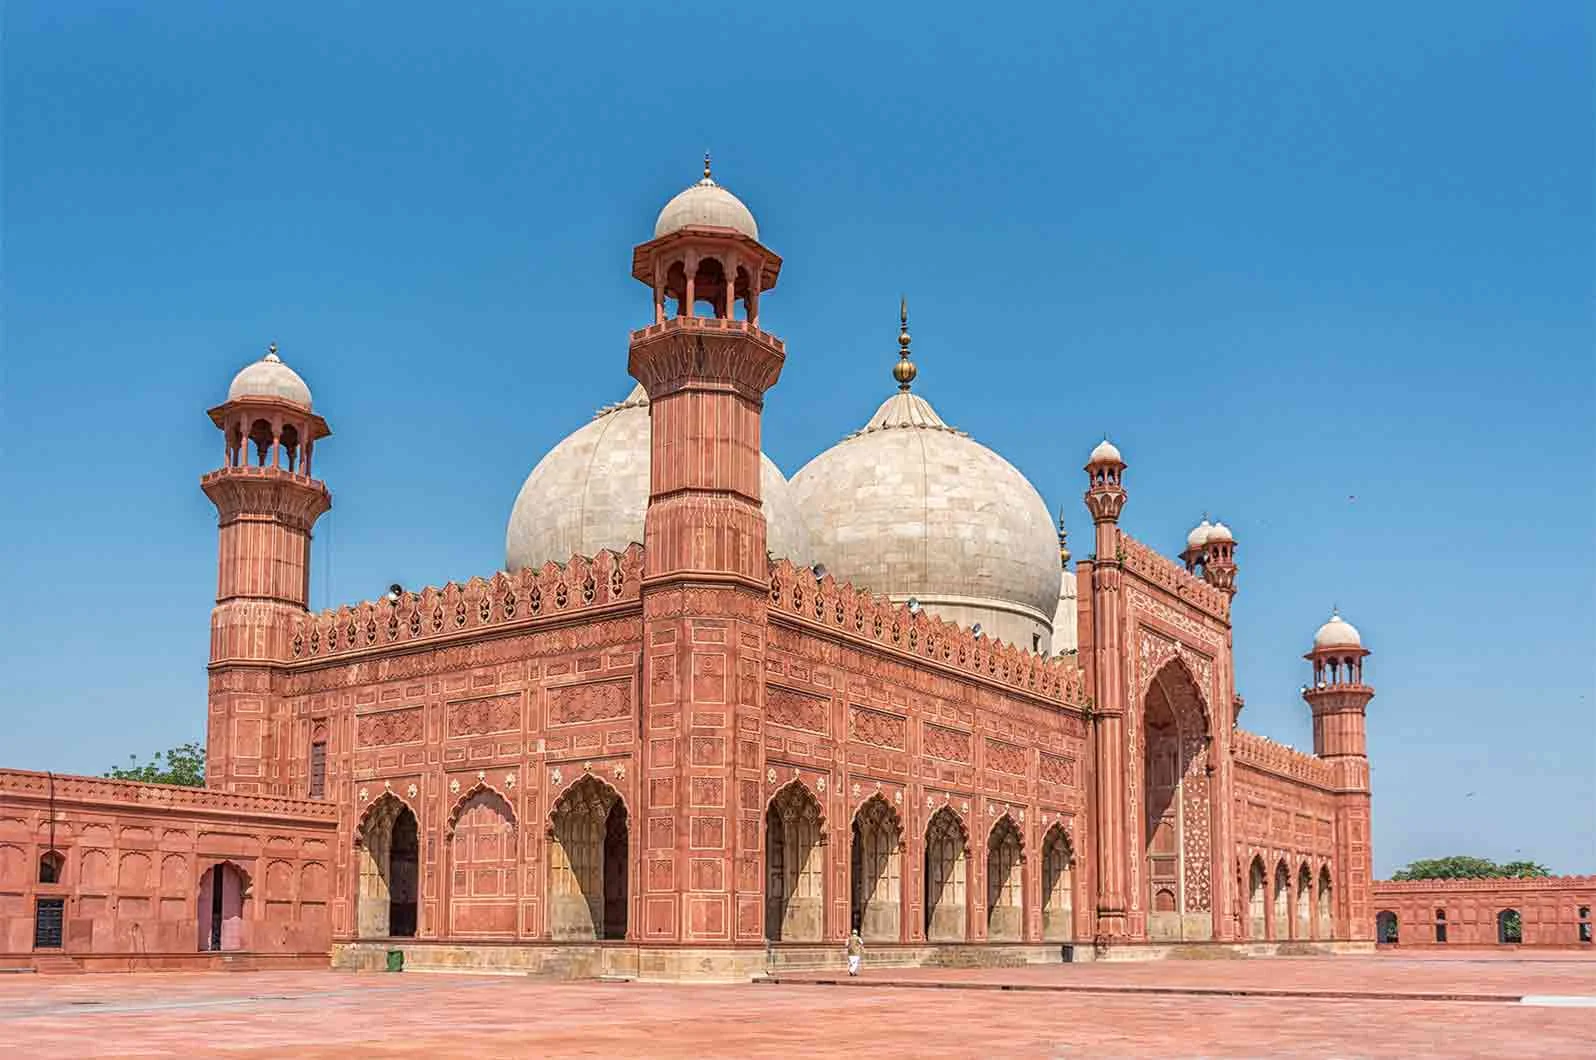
(269, 377)
(911, 507)
(1199, 534)
(1105, 453)
(706, 203)
(1337, 633)
(1221, 532)
(590, 493)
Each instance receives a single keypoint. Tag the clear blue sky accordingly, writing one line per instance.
(1285, 258)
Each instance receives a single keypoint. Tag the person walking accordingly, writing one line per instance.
(855, 952)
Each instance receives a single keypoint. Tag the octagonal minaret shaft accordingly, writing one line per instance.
(266, 505)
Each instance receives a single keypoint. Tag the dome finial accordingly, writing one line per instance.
(1063, 544)
(707, 178)
(271, 352)
(904, 371)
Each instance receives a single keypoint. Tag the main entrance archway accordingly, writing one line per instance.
(221, 908)
(794, 867)
(389, 871)
(1175, 823)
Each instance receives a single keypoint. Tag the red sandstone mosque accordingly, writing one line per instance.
(709, 720)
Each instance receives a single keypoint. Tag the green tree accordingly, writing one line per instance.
(1463, 867)
(184, 764)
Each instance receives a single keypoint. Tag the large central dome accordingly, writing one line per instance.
(591, 491)
(911, 507)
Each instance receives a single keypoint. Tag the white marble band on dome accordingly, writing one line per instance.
(591, 493)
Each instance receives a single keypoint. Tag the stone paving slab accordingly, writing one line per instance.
(327, 1014)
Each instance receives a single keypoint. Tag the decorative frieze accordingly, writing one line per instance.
(389, 727)
(877, 728)
(590, 701)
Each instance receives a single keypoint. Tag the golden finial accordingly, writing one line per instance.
(707, 177)
(271, 351)
(904, 371)
(1063, 547)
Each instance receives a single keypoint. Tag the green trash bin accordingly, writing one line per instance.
(396, 960)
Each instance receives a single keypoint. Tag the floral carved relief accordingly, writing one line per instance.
(796, 710)
(389, 727)
(590, 701)
(880, 729)
(478, 716)
(948, 744)
(1006, 758)
(1058, 769)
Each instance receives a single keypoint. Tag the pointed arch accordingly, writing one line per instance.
(1005, 890)
(1281, 920)
(387, 837)
(1175, 827)
(1303, 925)
(794, 864)
(224, 887)
(876, 870)
(1326, 906)
(1257, 898)
(589, 860)
(461, 803)
(1058, 884)
(947, 867)
(388, 802)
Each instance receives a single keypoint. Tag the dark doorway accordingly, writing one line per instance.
(615, 864)
(404, 870)
(218, 887)
(1385, 927)
(47, 915)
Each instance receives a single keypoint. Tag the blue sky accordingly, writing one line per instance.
(1324, 273)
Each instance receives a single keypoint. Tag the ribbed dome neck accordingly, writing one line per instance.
(906, 409)
(637, 399)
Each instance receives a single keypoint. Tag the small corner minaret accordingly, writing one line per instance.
(1105, 499)
(1195, 541)
(1219, 558)
(1339, 698)
(266, 505)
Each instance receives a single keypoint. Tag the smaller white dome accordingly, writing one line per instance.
(1221, 532)
(1337, 633)
(1105, 453)
(1199, 534)
(269, 377)
(706, 203)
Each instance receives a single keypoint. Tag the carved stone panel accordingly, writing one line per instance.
(590, 701)
(949, 744)
(794, 709)
(878, 728)
(479, 716)
(389, 727)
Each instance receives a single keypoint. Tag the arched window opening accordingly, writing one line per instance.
(390, 875)
(1304, 902)
(1509, 927)
(877, 872)
(709, 287)
(1257, 900)
(1440, 925)
(946, 868)
(1326, 908)
(51, 864)
(260, 436)
(1282, 901)
(676, 288)
(221, 908)
(290, 444)
(1385, 927)
(1005, 901)
(794, 867)
(1058, 899)
(588, 890)
(740, 310)
(1584, 923)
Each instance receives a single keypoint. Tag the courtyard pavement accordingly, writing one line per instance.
(1540, 1005)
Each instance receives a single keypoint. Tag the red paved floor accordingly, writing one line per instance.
(334, 1014)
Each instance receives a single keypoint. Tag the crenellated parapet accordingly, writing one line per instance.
(507, 600)
(840, 609)
(66, 788)
(1168, 575)
(1487, 883)
(1265, 754)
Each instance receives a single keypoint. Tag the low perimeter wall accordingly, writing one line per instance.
(1551, 911)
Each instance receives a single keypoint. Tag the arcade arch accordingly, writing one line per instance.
(390, 877)
(794, 866)
(877, 872)
(946, 877)
(588, 859)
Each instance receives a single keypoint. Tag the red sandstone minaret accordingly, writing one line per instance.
(1339, 700)
(706, 571)
(1105, 498)
(266, 503)
(1219, 559)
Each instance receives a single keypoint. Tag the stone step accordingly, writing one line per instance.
(57, 964)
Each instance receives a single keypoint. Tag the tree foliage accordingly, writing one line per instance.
(1463, 867)
(184, 764)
